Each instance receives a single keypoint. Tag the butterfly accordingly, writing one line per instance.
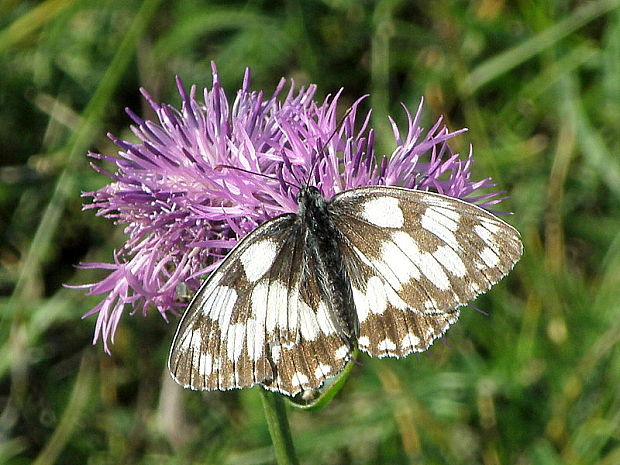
(383, 269)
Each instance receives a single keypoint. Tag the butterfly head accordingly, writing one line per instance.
(310, 199)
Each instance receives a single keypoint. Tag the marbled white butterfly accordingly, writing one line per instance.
(381, 268)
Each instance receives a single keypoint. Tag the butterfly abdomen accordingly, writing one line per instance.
(323, 246)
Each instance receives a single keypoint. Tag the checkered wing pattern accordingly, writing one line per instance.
(260, 319)
(413, 258)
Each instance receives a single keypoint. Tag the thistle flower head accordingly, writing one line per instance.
(183, 207)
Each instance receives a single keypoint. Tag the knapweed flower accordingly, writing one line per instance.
(183, 207)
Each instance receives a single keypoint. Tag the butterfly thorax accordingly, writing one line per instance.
(323, 245)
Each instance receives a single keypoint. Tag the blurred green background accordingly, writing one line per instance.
(537, 84)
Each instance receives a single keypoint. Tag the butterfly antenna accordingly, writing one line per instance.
(289, 167)
(230, 167)
(324, 144)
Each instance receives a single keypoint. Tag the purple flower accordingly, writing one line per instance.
(183, 210)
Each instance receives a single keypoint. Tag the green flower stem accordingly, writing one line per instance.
(328, 391)
(275, 413)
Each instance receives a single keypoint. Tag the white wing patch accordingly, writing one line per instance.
(375, 295)
(255, 339)
(403, 268)
(257, 259)
(324, 320)
(235, 340)
(386, 345)
(309, 327)
(342, 352)
(433, 271)
(434, 221)
(424, 261)
(384, 212)
(409, 341)
(192, 341)
(299, 379)
(277, 305)
(322, 370)
(258, 304)
(220, 303)
(450, 260)
(361, 304)
(490, 258)
(206, 364)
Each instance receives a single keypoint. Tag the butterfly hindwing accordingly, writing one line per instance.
(415, 257)
(311, 350)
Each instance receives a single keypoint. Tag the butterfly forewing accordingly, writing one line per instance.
(218, 343)
(260, 319)
(388, 326)
(413, 258)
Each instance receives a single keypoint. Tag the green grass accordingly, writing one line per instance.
(536, 83)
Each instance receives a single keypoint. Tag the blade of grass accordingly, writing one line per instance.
(21, 298)
(598, 157)
(77, 145)
(217, 20)
(383, 31)
(548, 79)
(502, 63)
(79, 142)
(76, 407)
(35, 19)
